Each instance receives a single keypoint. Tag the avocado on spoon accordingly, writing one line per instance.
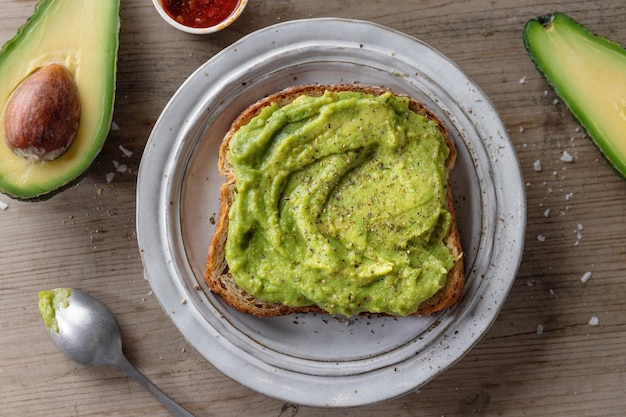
(88, 333)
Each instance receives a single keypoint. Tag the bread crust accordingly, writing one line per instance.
(217, 274)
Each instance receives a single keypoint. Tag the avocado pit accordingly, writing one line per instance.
(42, 116)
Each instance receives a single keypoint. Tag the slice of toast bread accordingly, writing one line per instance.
(217, 274)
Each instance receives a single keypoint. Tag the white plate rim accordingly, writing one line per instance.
(158, 208)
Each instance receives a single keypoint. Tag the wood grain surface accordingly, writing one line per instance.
(540, 358)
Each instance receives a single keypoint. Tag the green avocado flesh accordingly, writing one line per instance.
(50, 302)
(83, 36)
(588, 73)
(340, 202)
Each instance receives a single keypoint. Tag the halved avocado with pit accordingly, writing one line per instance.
(82, 36)
(588, 73)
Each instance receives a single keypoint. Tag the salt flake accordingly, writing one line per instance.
(566, 157)
(126, 152)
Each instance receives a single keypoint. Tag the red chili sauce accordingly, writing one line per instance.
(199, 13)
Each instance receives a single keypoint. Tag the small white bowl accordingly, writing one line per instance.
(241, 5)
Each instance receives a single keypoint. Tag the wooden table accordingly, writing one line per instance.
(540, 358)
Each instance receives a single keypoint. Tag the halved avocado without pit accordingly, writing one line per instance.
(588, 73)
(82, 37)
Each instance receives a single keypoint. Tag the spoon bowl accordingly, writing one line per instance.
(86, 331)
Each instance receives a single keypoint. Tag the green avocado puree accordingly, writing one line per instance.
(340, 202)
(49, 302)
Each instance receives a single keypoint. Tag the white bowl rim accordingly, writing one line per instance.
(241, 5)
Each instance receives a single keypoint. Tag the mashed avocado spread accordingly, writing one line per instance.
(49, 302)
(340, 202)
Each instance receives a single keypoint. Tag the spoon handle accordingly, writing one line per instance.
(134, 373)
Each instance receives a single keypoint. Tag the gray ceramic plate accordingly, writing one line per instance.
(313, 359)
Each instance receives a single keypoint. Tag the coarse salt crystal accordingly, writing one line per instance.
(586, 276)
(521, 129)
(114, 126)
(522, 80)
(537, 165)
(546, 213)
(126, 152)
(569, 196)
(541, 238)
(539, 329)
(594, 321)
(566, 157)
(3, 205)
(109, 177)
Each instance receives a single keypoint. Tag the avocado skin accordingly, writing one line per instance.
(22, 54)
(612, 146)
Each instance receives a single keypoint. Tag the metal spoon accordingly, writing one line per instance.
(89, 334)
